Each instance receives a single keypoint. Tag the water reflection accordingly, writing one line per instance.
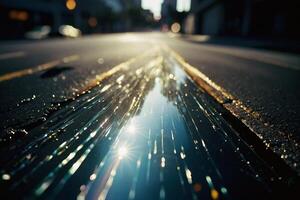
(147, 132)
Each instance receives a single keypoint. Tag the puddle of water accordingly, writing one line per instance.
(145, 140)
(147, 132)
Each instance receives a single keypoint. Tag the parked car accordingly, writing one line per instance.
(69, 31)
(38, 32)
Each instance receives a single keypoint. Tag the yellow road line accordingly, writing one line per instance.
(12, 55)
(41, 67)
(216, 91)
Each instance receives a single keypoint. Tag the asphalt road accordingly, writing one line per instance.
(147, 130)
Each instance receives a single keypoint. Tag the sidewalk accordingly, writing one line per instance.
(274, 44)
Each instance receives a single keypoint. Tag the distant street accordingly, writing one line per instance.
(119, 115)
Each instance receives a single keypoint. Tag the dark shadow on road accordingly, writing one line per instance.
(55, 71)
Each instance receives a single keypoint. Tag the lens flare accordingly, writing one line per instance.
(131, 129)
(122, 152)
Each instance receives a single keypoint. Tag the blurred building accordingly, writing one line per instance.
(19, 16)
(170, 14)
(258, 18)
(168, 8)
(138, 3)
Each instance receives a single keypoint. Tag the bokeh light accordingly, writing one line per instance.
(71, 4)
(175, 28)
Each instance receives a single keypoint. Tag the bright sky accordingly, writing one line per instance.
(155, 6)
(183, 5)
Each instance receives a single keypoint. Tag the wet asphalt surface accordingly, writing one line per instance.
(146, 132)
(264, 81)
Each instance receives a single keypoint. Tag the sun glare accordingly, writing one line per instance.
(122, 152)
(131, 129)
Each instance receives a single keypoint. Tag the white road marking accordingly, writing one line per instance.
(10, 55)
